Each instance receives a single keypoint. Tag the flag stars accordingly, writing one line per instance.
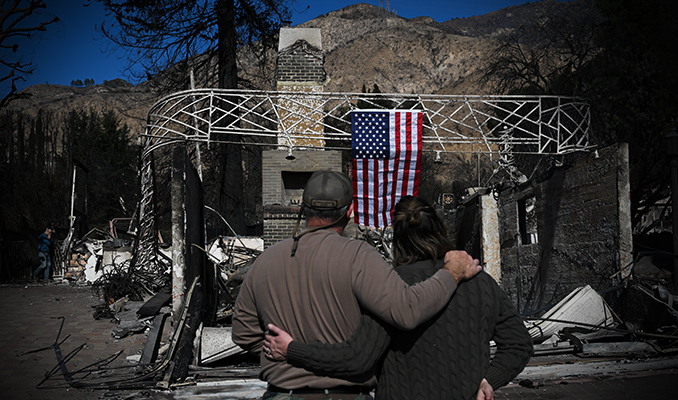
(371, 135)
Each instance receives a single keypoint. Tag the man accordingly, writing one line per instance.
(314, 284)
(44, 246)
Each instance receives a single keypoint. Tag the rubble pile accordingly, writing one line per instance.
(641, 322)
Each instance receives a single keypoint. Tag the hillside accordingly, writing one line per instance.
(494, 24)
(129, 101)
(363, 45)
(399, 55)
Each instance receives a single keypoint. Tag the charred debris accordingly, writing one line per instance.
(196, 345)
(180, 296)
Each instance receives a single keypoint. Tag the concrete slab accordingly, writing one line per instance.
(216, 344)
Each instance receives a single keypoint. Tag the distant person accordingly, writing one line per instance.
(315, 284)
(44, 248)
(447, 357)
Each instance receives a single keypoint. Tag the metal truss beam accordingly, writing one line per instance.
(537, 124)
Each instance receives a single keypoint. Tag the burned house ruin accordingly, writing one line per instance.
(541, 237)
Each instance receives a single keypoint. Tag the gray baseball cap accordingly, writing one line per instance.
(328, 190)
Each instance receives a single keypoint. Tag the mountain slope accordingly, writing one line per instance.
(400, 55)
(363, 45)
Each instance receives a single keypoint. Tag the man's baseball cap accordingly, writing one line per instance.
(328, 190)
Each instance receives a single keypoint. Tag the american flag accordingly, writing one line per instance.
(386, 162)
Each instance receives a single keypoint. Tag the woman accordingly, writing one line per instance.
(448, 357)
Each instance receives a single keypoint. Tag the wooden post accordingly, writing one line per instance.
(178, 228)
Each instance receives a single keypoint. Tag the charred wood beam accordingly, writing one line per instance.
(151, 348)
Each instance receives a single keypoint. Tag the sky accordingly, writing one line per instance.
(73, 49)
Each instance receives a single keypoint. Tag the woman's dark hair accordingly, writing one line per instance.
(418, 232)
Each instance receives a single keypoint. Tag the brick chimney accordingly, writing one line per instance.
(301, 69)
(286, 170)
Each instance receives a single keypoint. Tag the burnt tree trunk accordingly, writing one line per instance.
(229, 160)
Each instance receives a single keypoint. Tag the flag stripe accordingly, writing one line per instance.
(407, 146)
(417, 156)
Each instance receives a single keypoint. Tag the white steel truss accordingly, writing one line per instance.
(537, 124)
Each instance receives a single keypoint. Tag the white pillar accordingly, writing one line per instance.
(489, 234)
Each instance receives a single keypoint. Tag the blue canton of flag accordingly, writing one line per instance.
(370, 134)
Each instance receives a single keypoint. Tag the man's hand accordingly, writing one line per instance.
(275, 343)
(461, 266)
(485, 391)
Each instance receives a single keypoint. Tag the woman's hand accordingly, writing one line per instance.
(275, 343)
(485, 391)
